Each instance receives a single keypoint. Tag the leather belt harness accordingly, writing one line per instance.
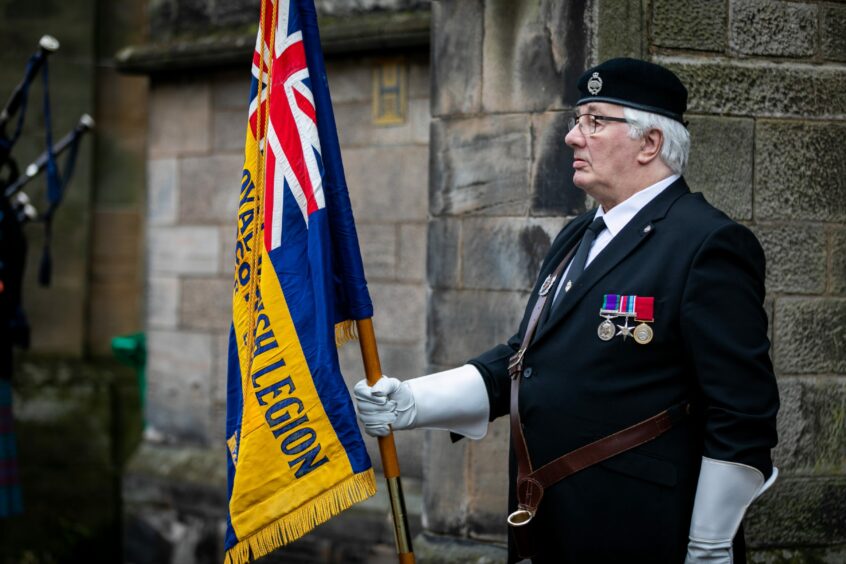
(530, 482)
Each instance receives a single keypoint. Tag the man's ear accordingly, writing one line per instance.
(650, 146)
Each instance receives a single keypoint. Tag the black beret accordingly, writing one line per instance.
(636, 84)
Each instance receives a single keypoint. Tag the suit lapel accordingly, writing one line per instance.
(636, 231)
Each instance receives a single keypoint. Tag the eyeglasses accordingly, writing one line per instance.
(587, 122)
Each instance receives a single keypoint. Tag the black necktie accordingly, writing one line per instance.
(577, 267)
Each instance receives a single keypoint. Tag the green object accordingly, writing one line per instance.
(132, 350)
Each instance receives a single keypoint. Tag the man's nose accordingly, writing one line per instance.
(574, 137)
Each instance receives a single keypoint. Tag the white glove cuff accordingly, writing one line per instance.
(455, 400)
(724, 492)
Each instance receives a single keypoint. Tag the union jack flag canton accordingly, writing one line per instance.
(294, 159)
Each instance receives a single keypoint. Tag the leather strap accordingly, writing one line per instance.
(602, 449)
(531, 484)
(515, 367)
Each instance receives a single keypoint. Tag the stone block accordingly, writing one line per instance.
(114, 308)
(57, 315)
(837, 283)
(227, 249)
(388, 183)
(412, 252)
(533, 54)
(350, 80)
(399, 312)
(221, 369)
(803, 554)
(418, 78)
(799, 511)
(720, 163)
(758, 88)
(119, 155)
(810, 425)
(503, 253)
(457, 28)
(183, 250)
(229, 128)
(180, 118)
(622, 33)
(179, 375)
(690, 24)
(553, 191)
(480, 166)
(782, 29)
(809, 335)
(162, 191)
(444, 549)
(800, 172)
(832, 38)
(356, 127)
(796, 257)
(205, 303)
(379, 249)
(162, 302)
(209, 188)
(231, 91)
(463, 324)
(114, 245)
(444, 484)
(420, 116)
(443, 266)
(487, 482)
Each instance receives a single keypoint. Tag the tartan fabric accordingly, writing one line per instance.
(10, 489)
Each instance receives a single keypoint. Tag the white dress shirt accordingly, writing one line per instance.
(617, 218)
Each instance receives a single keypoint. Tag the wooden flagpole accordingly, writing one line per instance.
(387, 448)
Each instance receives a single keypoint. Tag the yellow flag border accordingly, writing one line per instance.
(302, 520)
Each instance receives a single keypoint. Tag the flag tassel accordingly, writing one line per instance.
(295, 524)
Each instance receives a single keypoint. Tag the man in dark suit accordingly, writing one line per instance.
(651, 304)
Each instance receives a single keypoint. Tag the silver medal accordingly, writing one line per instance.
(606, 330)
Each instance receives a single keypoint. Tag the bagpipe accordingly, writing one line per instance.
(16, 208)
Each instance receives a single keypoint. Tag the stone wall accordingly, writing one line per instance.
(767, 111)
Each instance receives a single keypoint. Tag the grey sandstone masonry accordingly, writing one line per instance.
(721, 162)
(809, 335)
(786, 186)
(480, 166)
(690, 24)
(782, 29)
(833, 39)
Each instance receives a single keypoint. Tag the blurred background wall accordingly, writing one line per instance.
(451, 118)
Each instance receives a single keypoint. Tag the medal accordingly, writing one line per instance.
(626, 306)
(606, 330)
(642, 334)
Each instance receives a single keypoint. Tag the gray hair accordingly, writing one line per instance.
(676, 146)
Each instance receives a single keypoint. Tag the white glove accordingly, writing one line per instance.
(455, 400)
(724, 492)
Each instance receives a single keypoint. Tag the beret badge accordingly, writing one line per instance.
(594, 85)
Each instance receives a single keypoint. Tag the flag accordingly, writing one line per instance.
(296, 457)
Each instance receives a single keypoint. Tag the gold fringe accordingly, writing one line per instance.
(289, 528)
(345, 331)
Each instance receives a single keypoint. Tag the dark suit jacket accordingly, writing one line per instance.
(710, 347)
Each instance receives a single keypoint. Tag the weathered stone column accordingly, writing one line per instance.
(503, 73)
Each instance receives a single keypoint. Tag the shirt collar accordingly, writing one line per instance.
(623, 212)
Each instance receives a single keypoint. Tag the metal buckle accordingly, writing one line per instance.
(520, 518)
(516, 363)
